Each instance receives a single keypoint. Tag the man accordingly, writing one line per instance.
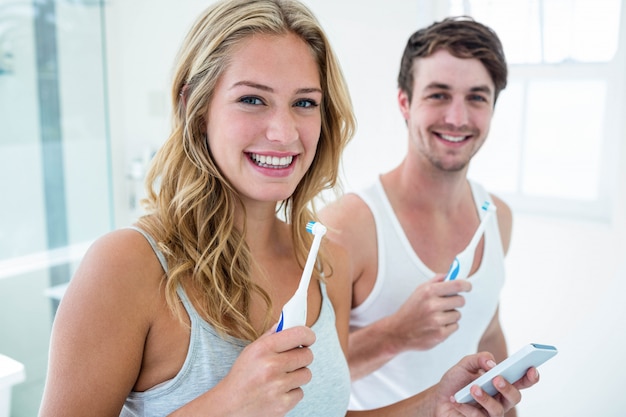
(407, 325)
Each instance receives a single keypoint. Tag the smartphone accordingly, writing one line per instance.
(512, 369)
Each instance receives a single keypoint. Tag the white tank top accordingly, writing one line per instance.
(400, 271)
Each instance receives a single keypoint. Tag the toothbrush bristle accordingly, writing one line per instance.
(487, 206)
(315, 228)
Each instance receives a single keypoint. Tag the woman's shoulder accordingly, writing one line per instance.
(120, 265)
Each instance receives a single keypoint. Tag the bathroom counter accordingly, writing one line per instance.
(11, 373)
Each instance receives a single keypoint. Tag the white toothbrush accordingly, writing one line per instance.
(294, 311)
(462, 264)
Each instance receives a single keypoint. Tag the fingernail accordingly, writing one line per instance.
(499, 381)
(478, 392)
(491, 363)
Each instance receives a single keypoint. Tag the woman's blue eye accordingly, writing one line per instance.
(306, 103)
(251, 100)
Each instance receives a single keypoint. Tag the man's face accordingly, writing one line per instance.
(449, 115)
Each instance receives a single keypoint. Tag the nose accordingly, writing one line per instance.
(457, 113)
(282, 127)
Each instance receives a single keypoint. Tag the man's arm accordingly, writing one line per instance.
(493, 339)
(427, 318)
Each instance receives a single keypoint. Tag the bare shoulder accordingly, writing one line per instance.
(339, 281)
(100, 330)
(349, 220)
(339, 288)
(505, 221)
(122, 258)
(351, 225)
(118, 281)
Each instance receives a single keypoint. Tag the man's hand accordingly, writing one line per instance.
(430, 315)
(467, 370)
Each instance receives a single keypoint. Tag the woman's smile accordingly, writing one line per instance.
(273, 162)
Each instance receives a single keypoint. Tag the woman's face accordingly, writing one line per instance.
(264, 120)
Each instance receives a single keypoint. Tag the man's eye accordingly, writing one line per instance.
(306, 103)
(438, 96)
(251, 100)
(477, 97)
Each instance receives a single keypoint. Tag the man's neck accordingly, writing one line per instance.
(426, 189)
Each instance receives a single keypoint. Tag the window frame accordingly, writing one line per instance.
(602, 208)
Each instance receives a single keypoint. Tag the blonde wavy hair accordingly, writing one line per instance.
(190, 204)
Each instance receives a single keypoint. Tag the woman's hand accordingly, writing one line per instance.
(266, 378)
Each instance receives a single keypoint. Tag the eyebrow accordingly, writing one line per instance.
(441, 86)
(271, 90)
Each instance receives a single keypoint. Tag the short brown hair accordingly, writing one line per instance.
(463, 37)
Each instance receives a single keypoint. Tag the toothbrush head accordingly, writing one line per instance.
(488, 207)
(316, 228)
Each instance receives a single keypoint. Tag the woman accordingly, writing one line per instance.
(175, 316)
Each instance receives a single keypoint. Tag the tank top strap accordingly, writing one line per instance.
(154, 246)
(193, 314)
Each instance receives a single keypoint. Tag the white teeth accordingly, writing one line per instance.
(271, 161)
(452, 138)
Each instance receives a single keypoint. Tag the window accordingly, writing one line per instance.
(554, 133)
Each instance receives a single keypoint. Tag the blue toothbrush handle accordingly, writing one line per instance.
(455, 266)
(281, 322)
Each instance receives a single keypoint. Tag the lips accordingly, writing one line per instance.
(273, 162)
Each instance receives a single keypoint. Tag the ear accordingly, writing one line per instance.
(404, 103)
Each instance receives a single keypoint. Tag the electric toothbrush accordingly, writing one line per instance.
(294, 311)
(462, 264)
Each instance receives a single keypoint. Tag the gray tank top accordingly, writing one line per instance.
(210, 357)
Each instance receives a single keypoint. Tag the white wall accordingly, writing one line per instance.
(566, 278)
(143, 38)
(369, 42)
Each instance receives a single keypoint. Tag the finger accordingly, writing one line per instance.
(451, 288)
(449, 330)
(452, 321)
(492, 406)
(292, 338)
(510, 395)
(293, 397)
(455, 287)
(437, 278)
(447, 318)
(479, 362)
(299, 378)
(528, 380)
(294, 359)
(450, 302)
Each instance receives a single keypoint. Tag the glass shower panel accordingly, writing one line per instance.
(55, 180)
(54, 151)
